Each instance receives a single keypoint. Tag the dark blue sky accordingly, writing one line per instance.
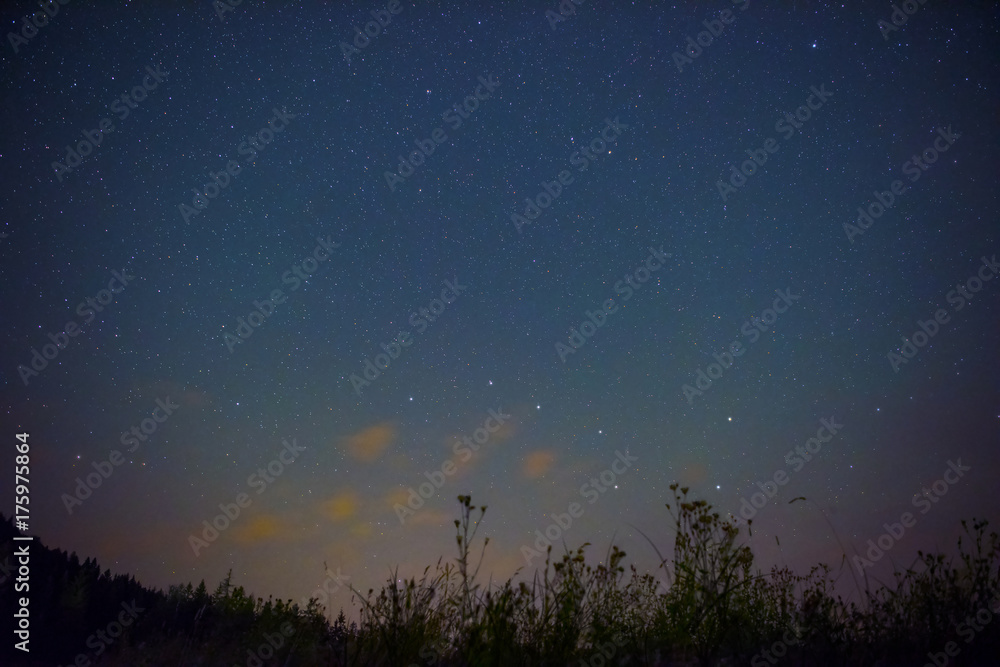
(341, 266)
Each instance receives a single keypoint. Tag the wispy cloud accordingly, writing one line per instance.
(369, 444)
(260, 528)
(537, 463)
(342, 506)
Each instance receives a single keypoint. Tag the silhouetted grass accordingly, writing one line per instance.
(716, 608)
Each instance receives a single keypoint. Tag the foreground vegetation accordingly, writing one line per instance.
(715, 609)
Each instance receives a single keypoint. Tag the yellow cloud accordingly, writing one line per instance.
(259, 528)
(424, 515)
(368, 444)
(538, 463)
(342, 506)
(397, 496)
(361, 530)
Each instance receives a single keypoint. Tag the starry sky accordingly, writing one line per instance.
(554, 261)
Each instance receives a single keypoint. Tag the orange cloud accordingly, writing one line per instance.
(342, 506)
(693, 473)
(538, 463)
(368, 444)
(361, 530)
(467, 458)
(259, 528)
(397, 496)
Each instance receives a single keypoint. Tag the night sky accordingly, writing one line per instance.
(556, 262)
